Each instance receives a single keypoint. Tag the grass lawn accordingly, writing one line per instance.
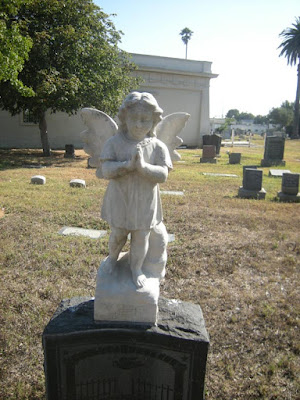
(237, 258)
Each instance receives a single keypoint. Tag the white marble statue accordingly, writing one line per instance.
(135, 158)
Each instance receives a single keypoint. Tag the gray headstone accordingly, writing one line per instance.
(73, 231)
(274, 150)
(235, 158)
(69, 151)
(78, 183)
(38, 180)
(290, 183)
(277, 173)
(89, 360)
(222, 175)
(172, 192)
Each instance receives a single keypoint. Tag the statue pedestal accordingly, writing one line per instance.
(117, 298)
(86, 360)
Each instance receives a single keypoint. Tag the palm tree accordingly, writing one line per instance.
(290, 48)
(186, 35)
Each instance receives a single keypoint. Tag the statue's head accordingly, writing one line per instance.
(140, 103)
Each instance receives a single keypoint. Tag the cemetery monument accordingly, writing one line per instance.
(209, 154)
(128, 342)
(252, 184)
(274, 150)
(289, 188)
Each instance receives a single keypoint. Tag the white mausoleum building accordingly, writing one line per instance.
(177, 84)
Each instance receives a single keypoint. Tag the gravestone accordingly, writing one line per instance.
(235, 158)
(38, 180)
(86, 360)
(277, 173)
(69, 151)
(244, 167)
(214, 140)
(274, 150)
(289, 188)
(74, 231)
(77, 183)
(208, 154)
(252, 184)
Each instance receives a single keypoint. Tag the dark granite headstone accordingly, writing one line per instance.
(252, 184)
(69, 151)
(208, 154)
(290, 183)
(244, 168)
(89, 361)
(274, 150)
(214, 140)
(253, 179)
(235, 158)
(289, 188)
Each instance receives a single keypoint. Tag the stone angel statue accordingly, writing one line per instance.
(135, 157)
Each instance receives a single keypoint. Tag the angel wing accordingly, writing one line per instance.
(168, 129)
(100, 128)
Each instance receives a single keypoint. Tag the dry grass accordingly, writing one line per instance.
(238, 258)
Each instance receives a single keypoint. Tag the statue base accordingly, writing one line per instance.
(117, 299)
(85, 360)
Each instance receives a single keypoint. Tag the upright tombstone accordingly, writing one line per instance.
(289, 188)
(213, 140)
(274, 150)
(208, 154)
(69, 151)
(128, 343)
(244, 168)
(252, 184)
(235, 158)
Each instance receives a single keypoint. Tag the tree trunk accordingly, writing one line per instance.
(44, 135)
(296, 130)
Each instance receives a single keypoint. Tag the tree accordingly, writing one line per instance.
(283, 116)
(261, 120)
(233, 113)
(15, 45)
(290, 48)
(74, 62)
(186, 35)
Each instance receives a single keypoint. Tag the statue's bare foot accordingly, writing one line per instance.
(110, 265)
(139, 279)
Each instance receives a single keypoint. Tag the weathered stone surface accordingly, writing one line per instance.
(209, 151)
(222, 175)
(84, 359)
(172, 192)
(73, 231)
(252, 194)
(118, 299)
(289, 198)
(38, 180)
(252, 179)
(235, 158)
(78, 183)
(277, 173)
(290, 183)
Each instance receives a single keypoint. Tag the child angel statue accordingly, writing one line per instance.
(135, 161)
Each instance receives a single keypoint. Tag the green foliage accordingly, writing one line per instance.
(290, 47)
(261, 119)
(15, 45)
(233, 113)
(186, 35)
(282, 115)
(74, 61)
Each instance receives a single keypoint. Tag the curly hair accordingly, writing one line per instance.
(147, 100)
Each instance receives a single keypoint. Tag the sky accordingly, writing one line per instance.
(239, 37)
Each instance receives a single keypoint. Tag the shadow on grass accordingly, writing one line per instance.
(27, 158)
